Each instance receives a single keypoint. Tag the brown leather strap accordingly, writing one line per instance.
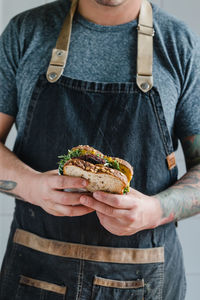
(47, 286)
(91, 253)
(145, 48)
(60, 52)
(133, 284)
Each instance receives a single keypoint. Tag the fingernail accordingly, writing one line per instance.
(84, 183)
(97, 195)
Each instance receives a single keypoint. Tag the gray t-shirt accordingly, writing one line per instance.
(102, 54)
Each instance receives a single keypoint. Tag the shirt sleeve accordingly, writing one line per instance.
(187, 118)
(9, 58)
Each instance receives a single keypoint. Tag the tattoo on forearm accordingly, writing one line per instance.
(182, 200)
(191, 148)
(6, 187)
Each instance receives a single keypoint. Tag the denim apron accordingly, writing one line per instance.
(75, 258)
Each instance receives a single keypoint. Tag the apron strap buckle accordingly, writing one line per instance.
(57, 64)
(146, 30)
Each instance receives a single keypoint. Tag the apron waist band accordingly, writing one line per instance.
(91, 253)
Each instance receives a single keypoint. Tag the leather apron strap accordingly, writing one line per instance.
(145, 47)
(60, 52)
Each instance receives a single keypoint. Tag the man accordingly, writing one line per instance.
(99, 246)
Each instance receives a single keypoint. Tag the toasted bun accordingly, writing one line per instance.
(87, 148)
(127, 166)
(125, 163)
(105, 173)
(100, 177)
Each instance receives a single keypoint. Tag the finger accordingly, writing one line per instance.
(115, 226)
(70, 211)
(115, 200)
(64, 182)
(110, 224)
(66, 198)
(54, 172)
(103, 208)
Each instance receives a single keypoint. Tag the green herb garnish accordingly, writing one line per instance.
(116, 165)
(113, 164)
(126, 190)
(65, 158)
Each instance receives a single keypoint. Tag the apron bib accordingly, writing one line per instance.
(51, 257)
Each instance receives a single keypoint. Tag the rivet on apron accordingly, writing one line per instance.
(52, 76)
(145, 86)
(59, 53)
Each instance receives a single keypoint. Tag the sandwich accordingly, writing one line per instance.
(104, 173)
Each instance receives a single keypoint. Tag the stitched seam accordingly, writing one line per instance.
(43, 285)
(42, 294)
(93, 291)
(80, 280)
(161, 281)
(30, 112)
(135, 284)
(97, 90)
(131, 89)
(79, 275)
(159, 125)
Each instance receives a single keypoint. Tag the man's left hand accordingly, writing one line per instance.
(127, 214)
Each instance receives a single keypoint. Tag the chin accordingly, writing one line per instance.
(110, 2)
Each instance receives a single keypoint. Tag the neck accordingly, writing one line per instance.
(108, 15)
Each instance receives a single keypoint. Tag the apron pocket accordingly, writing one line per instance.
(33, 289)
(114, 289)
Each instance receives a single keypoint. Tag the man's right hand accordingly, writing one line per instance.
(42, 189)
(46, 191)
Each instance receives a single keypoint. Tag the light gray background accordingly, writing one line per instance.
(189, 230)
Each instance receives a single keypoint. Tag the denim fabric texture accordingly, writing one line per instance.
(119, 120)
(101, 54)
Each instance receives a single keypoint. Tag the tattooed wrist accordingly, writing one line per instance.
(179, 204)
(6, 187)
(191, 148)
(182, 200)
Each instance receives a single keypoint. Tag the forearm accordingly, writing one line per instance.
(13, 174)
(182, 200)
